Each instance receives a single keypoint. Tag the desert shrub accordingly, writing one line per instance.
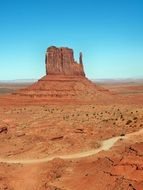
(105, 120)
(128, 122)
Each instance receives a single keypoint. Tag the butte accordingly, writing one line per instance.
(64, 79)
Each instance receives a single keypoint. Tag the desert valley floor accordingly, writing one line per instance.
(70, 145)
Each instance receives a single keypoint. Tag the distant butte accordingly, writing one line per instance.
(60, 61)
(65, 78)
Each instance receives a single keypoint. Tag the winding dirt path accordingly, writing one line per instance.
(105, 145)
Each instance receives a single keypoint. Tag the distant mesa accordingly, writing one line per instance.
(65, 78)
(60, 61)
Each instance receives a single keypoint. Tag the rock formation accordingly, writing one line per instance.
(65, 78)
(60, 61)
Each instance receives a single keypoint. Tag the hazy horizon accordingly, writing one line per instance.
(96, 79)
(108, 32)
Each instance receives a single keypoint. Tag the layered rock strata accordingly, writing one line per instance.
(65, 78)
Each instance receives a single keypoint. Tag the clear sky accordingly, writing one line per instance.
(108, 32)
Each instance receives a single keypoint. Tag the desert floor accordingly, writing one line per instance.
(62, 145)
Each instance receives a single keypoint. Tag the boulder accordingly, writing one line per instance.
(3, 129)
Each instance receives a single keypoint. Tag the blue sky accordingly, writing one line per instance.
(108, 32)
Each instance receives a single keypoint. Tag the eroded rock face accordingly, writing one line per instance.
(60, 61)
(65, 79)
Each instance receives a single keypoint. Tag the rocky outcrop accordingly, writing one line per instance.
(60, 61)
(65, 78)
(3, 129)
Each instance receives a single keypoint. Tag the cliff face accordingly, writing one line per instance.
(60, 61)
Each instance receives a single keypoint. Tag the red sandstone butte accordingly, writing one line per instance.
(65, 78)
(60, 61)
